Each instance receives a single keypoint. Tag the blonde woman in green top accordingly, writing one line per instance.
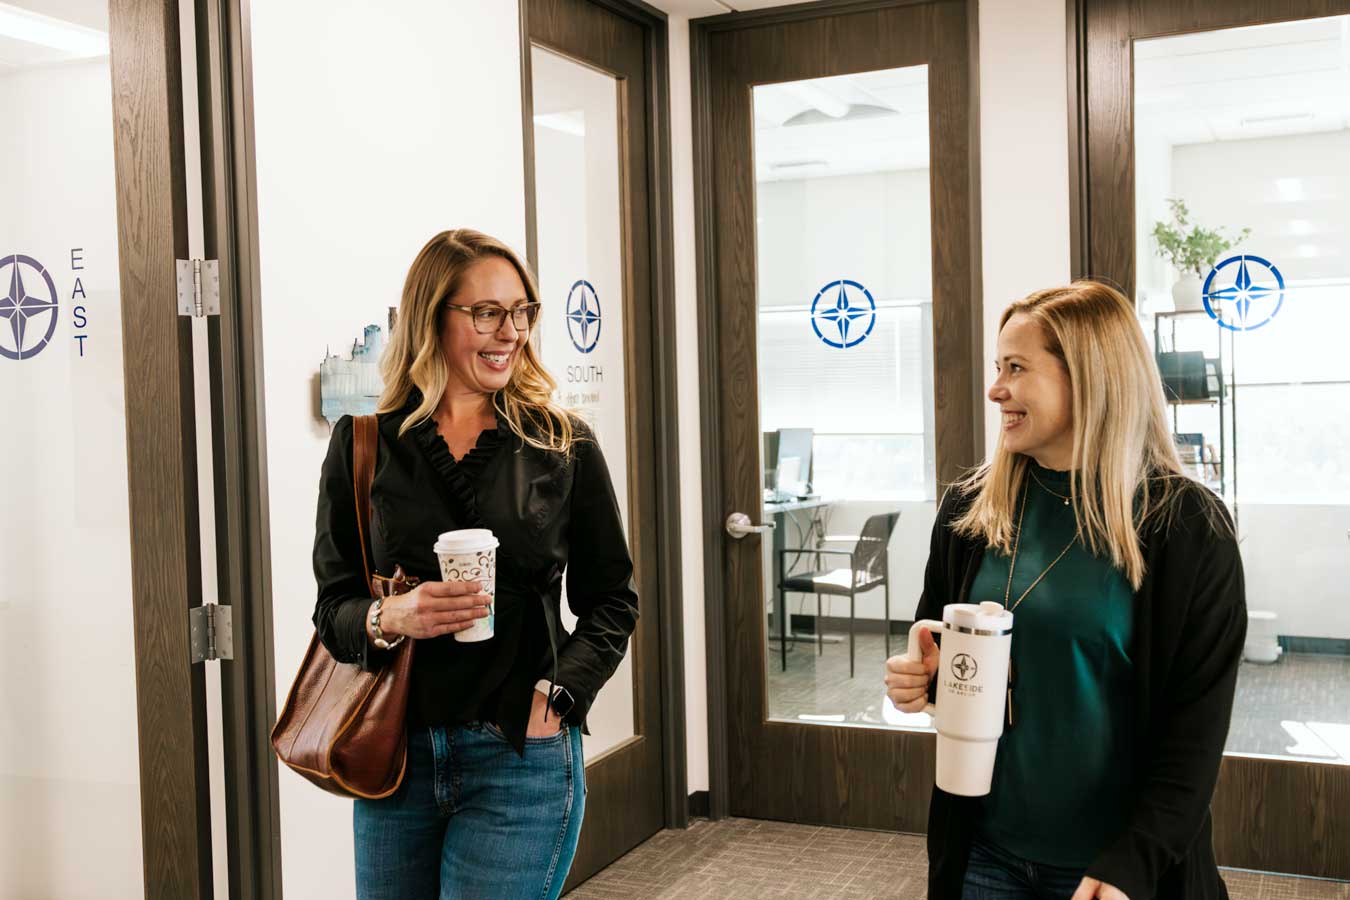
(1129, 597)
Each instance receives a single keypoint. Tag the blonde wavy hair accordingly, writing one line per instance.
(414, 358)
(1125, 468)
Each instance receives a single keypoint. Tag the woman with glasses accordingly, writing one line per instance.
(492, 797)
(1129, 620)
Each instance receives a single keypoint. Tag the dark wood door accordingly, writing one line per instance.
(166, 578)
(1269, 814)
(612, 148)
(778, 766)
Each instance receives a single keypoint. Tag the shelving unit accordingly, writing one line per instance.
(1198, 331)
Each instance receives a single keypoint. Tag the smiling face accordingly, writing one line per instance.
(1034, 395)
(482, 363)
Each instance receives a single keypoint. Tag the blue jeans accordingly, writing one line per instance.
(995, 874)
(474, 820)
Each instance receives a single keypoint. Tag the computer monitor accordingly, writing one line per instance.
(771, 461)
(794, 460)
(1186, 375)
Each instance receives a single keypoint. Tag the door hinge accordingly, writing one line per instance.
(211, 632)
(198, 287)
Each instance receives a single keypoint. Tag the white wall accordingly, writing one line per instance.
(376, 128)
(690, 433)
(1296, 560)
(1024, 161)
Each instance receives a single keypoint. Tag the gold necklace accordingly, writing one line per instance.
(1017, 542)
(1047, 490)
(1007, 591)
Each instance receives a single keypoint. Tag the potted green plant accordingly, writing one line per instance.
(1191, 250)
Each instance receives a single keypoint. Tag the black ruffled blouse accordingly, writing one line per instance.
(551, 513)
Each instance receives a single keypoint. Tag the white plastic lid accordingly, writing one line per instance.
(983, 617)
(466, 540)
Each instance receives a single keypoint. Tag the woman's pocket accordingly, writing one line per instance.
(545, 740)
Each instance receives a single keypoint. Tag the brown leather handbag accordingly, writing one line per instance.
(341, 727)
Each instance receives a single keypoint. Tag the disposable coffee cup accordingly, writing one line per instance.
(470, 554)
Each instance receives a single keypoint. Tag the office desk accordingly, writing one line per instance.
(780, 512)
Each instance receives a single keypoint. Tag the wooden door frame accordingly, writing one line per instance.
(1250, 831)
(963, 443)
(152, 231)
(664, 611)
(239, 446)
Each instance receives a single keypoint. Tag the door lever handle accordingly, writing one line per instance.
(738, 526)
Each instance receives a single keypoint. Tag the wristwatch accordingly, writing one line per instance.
(375, 631)
(560, 701)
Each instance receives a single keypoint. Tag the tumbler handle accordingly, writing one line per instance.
(915, 654)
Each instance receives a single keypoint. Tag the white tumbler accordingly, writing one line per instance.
(972, 685)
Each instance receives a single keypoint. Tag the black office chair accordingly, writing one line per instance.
(868, 567)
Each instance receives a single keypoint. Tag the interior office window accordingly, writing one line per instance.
(845, 359)
(577, 168)
(866, 405)
(1250, 129)
(1293, 396)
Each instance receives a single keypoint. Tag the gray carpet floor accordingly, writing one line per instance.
(747, 859)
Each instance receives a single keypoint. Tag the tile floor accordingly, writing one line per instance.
(747, 859)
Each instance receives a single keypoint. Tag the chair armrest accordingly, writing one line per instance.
(848, 553)
(794, 550)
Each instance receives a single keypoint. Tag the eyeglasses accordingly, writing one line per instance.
(489, 317)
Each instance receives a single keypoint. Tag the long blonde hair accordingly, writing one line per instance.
(414, 359)
(1125, 468)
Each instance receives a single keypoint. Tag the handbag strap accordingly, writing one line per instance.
(365, 435)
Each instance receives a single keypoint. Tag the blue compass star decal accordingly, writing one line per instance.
(843, 313)
(583, 316)
(22, 313)
(1244, 292)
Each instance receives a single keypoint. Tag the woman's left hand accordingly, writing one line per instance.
(537, 727)
(1092, 889)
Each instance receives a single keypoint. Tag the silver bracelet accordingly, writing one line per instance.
(380, 642)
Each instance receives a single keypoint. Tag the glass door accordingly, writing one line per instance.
(579, 215)
(64, 452)
(845, 383)
(103, 788)
(842, 349)
(1253, 143)
(1238, 256)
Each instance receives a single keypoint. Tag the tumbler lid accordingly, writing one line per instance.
(987, 618)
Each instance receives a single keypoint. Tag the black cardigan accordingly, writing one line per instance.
(1190, 621)
(549, 512)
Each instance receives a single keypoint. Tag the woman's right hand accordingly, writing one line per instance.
(432, 609)
(907, 680)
